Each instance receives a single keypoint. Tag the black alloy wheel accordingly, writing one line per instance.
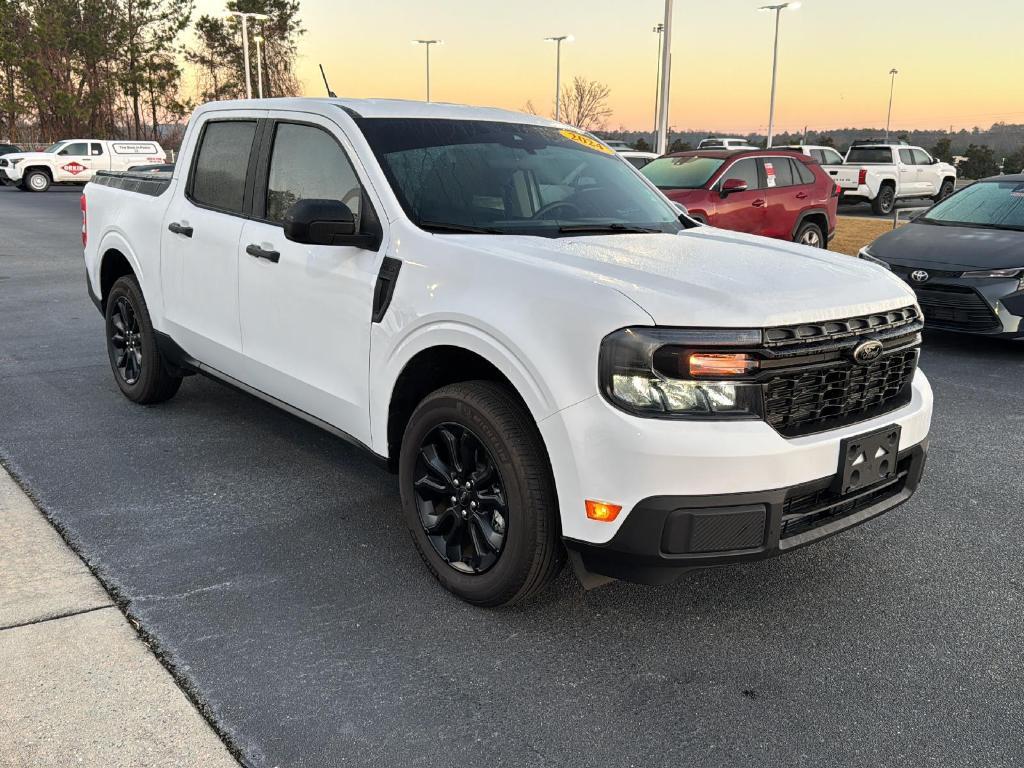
(126, 339)
(461, 499)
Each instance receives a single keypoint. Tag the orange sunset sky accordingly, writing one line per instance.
(959, 63)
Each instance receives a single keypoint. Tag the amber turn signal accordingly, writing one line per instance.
(714, 364)
(602, 511)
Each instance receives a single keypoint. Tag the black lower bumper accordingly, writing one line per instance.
(664, 536)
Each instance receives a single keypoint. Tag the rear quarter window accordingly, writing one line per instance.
(222, 160)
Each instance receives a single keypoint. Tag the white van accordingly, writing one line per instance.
(76, 161)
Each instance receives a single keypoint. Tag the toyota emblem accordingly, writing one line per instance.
(919, 276)
(867, 352)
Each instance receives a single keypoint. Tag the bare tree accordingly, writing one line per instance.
(528, 107)
(585, 103)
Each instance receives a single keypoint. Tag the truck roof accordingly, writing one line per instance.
(372, 108)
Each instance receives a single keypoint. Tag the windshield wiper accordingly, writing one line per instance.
(457, 229)
(614, 228)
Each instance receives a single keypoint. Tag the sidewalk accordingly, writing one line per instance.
(77, 685)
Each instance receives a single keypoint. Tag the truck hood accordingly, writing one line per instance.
(44, 156)
(712, 278)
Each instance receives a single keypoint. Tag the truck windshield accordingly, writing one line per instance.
(986, 204)
(681, 172)
(484, 177)
(869, 155)
(54, 148)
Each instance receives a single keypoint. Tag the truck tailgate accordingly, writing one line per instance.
(846, 176)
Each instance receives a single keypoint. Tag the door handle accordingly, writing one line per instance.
(254, 250)
(180, 229)
(759, 203)
(801, 195)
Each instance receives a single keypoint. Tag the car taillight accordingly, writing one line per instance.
(85, 226)
(862, 177)
(836, 189)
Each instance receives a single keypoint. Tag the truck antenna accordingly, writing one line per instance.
(330, 94)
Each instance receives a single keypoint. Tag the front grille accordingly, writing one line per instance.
(3, 163)
(830, 396)
(956, 307)
(807, 510)
(836, 330)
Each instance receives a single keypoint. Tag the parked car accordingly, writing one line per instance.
(638, 159)
(775, 193)
(964, 258)
(826, 156)
(712, 142)
(6, 149)
(552, 359)
(617, 145)
(881, 173)
(75, 162)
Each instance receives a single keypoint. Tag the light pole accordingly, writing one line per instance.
(775, 61)
(557, 40)
(666, 76)
(428, 43)
(659, 29)
(259, 65)
(892, 88)
(245, 42)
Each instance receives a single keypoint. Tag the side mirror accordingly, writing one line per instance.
(729, 186)
(321, 222)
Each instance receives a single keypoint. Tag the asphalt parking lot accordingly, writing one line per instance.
(267, 563)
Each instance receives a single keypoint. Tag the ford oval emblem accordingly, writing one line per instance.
(867, 352)
(919, 276)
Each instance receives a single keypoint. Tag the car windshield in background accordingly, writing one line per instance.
(869, 155)
(477, 176)
(990, 204)
(681, 172)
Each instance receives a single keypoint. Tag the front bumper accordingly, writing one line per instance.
(666, 535)
(980, 306)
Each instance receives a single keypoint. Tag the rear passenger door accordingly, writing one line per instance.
(786, 194)
(306, 309)
(741, 211)
(199, 241)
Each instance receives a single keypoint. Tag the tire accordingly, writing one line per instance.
(484, 552)
(947, 189)
(138, 368)
(810, 234)
(884, 201)
(37, 181)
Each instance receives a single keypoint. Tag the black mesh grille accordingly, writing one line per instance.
(956, 307)
(802, 402)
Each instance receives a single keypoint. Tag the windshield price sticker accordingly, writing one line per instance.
(587, 142)
(769, 169)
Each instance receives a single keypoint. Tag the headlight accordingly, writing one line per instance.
(682, 374)
(15, 161)
(1017, 272)
(865, 253)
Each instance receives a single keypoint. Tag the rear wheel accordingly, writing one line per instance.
(945, 190)
(811, 234)
(37, 181)
(131, 346)
(478, 495)
(885, 201)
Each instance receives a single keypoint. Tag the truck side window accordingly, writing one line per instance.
(218, 177)
(921, 157)
(307, 163)
(906, 157)
(78, 149)
(95, 149)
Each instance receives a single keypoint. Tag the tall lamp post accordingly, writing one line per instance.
(259, 65)
(892, 88)
(245, 42)
(775, 61)
(661, 140)
(427, 44)
(659, 30)
(558, 40)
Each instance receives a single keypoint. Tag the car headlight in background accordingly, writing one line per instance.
(1003, 274)
(865, 253)
(682, 374)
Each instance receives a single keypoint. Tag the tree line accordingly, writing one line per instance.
(114, 68)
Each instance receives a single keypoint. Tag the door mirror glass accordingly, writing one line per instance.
(320, 222)
(729, 186)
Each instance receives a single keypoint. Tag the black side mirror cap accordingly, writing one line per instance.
(324, 222)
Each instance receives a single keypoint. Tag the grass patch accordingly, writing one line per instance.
(853, 233)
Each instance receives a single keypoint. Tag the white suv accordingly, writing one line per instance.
(512, 317)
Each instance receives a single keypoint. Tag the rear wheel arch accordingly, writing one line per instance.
(113, 266)
(816, 216)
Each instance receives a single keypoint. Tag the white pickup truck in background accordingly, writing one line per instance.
(76, 161)
(881, 173)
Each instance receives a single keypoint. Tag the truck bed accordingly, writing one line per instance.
(152, 184)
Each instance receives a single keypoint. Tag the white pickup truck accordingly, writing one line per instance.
(497, 306)
(76, 161)
(881, 173)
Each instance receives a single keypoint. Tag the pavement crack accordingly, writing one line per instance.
(57, 617)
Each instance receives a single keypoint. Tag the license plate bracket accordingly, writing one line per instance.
(867, 460)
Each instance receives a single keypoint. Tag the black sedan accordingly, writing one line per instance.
(964, 258)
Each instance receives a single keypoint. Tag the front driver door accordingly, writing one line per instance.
(74, 163)
(741, 211)
(305, 309)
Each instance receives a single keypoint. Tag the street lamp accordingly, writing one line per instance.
(245, 41)
(557, 40)
(892, 87)
(259, 65)
(428, 43)
(775, 61)
(661, 139)
(659, 30)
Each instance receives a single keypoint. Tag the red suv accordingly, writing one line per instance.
(775, 193)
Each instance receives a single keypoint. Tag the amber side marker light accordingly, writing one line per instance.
(602, 511)
(711, 364)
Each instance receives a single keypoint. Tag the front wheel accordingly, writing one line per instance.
(37, 181)
(478, 495)
(945, 190)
